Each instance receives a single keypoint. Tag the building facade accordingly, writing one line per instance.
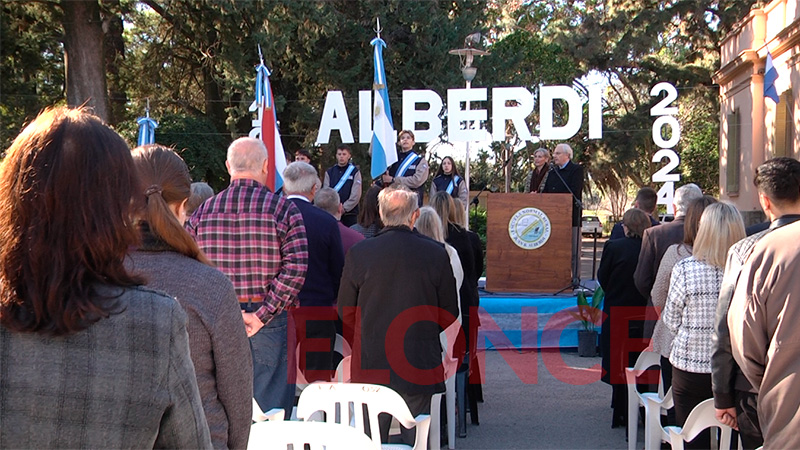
(753, 128)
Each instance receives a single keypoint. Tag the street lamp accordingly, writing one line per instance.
(466, 55)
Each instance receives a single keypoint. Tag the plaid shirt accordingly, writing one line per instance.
(258, 240)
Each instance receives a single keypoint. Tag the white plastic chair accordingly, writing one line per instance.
(645, 361)
(701, 417)
(340, 346)
(278, 435)
(272, 414)
(654, 433)
(448, 339)
(450, 362)
(379, 399)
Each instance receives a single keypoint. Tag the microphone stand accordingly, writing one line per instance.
(576, 277)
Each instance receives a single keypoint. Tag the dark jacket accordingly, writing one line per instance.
(384, 277)
(562, 181)
(615, 275)
(655, 242)
(325, 256)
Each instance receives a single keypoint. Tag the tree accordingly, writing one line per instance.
(31, 64)
(84, 58)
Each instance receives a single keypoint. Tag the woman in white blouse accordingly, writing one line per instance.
(691, 306)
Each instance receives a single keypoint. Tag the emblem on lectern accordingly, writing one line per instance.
(529, 228)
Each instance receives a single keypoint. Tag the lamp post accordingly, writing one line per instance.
(466, 55)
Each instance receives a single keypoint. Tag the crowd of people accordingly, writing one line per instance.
(146, 311)
(714, 300)
(128, 293)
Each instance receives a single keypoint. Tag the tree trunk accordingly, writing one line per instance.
(83, 56)
(114, 48)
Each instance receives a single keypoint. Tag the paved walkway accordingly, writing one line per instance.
(550, 414)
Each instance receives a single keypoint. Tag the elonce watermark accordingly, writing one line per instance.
(522, 359)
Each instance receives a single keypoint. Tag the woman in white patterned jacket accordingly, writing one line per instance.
(691, 306)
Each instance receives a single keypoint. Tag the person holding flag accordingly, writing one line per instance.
(345, 178)
(405, 167)
(410, 170)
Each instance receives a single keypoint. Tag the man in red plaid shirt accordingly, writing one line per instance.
(258, 240)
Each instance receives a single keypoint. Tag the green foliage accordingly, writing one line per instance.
(31, 64)
(199, 145)
(589, 313)
(477, 223)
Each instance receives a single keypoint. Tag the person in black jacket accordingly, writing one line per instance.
(615, 275)
(566, 177)
(325, 260)
(399, 288)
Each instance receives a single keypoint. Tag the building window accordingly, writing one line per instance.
(784, 125)
(734, 147)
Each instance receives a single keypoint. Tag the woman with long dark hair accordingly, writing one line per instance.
(172, 262)
(448, 180)
(90, 359)
(369, 218)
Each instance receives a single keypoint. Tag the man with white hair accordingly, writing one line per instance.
(397, 294)
(258, 240)
(315, 319)
(656, 240)
(566, 177)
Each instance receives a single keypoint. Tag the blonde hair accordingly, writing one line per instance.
(459, 215)
(721, 226)
(442, 202)
(429, 224)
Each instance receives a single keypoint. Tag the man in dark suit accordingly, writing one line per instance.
(566, 177)
(315, 319)
(397, 294)
(656, 240)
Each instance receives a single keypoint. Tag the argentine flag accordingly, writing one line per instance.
(265, 104)
(382, 146)
(770, 75)
(147, 131)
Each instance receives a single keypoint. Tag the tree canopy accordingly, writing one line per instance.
(194, 61)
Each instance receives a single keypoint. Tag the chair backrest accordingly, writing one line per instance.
(327, 397)
(340, 346)
(645, 361)
(702, 417)
(317, 435)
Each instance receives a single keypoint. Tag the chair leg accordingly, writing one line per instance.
(461, 400)
(434, 436)
(450, 398)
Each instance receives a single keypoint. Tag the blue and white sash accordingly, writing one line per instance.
(453, 184)
(343, 180)
(410, 159)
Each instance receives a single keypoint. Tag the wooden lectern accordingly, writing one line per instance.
(519, 256)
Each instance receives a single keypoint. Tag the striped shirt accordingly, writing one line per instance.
(258, 240)
(690, 313)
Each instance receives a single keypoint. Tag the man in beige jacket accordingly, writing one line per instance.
(765, 342)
